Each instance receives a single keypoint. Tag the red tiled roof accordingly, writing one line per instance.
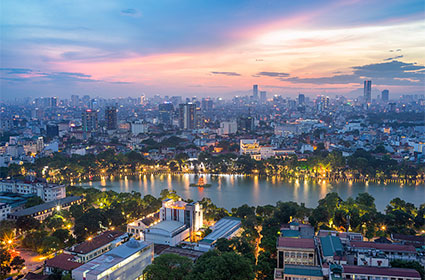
(385, 271)
(304, 243)
(383, 246)
(97, 242)
(34, 276)
(63, 261)
(410, 238)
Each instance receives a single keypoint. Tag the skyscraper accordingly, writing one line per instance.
(385, 95)
(111, 118)
(89, 120)
(301, 99)
(187, 116)
(255, 92)
(207, 104)
(166, 113)
(263, 96)
(367, 91)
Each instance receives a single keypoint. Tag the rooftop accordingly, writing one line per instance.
(113, 257)
(223, 228)
(288, 242)
(169, 226)
(46, 206)
(384, 271)
(408, 238)
(191, 254)
(97, 242)
(331, 245)
(63, 261)
(303, 270)
(383, 246)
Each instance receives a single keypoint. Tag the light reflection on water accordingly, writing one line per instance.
(234, 190)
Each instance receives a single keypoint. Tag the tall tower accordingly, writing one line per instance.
(111, 118)
(385, 95)
(187, 115)
(367, 91)
(255, 92)
(301, 99)
(263, 96)
(89, 120)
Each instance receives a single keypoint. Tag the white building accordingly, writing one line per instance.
(178, 221)
(96, 246)
(47, 192)
(249, 147)
(138, 127)
(228, 128)
(168, 233)
(4, 210)
(226, 227)
(267, 151)
(123, 262)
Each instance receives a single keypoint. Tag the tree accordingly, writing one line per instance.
(17, 263)
(215, 265)
(265, 266)
(90, 223)
(409, 264)
(26, 223)
(168, 266)
(33, 201)
(4, 263)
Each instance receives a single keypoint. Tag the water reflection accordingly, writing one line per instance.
(232, 191)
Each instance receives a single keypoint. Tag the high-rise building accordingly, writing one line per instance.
(207, 104)
(166, 113)
(89, 120)
(40, 144)
(187, 116)
(75, 100)
(263, 96)
(246, 124)
(255, 92)
(367, 91)
(142, 100)
(53, 102)
(301, 99)
(52, 130)
(385, 95)
(111, 118)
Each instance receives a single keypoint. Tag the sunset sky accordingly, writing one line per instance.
(210, 48)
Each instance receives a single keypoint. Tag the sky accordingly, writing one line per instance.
(210, 48)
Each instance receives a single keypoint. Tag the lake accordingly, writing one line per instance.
(230, 191)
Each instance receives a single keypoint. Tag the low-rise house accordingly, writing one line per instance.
(298, 272)
(393, 251)
(47, 192)
(331, 249)
(96, 246)
(367, 272)
(42, 211)
(295, 251)
(61, 263)
(226, 227)
(126, 261)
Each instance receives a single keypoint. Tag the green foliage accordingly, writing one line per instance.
(265, 266)
(215, 265)
(409, 264)
(33, 201)
(25, 223)
(168, 266)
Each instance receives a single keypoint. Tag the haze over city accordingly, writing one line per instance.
(129, 48)
(212, 140)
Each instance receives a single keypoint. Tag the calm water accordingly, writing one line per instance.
(233, 190)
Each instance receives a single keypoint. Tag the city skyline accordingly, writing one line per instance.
(205, 49)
